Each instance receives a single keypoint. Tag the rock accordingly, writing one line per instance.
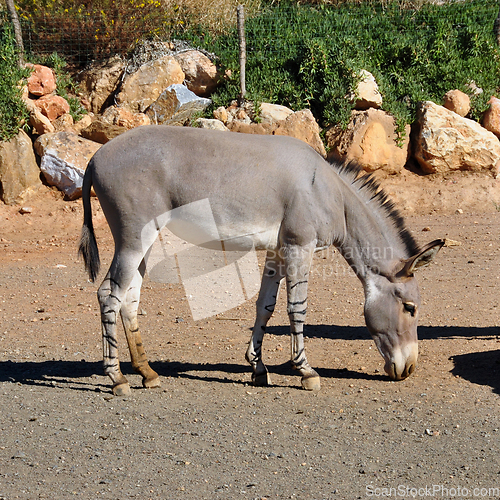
(102, 132)
(457, 101)
(99, 83)
(19, 172)
(64, 122)
(52, 106)
(369, 139)
(272, 113)
(447, 142)
(42, 81)
(84, 122)
(175, 106)
(491, 117)
(64, 158)
(124, 118)
(142, 88)
(367, 94)
(221, 115)
(244, 127)
(211, 124)
(40, 123)
(302, 125)
(201, 75)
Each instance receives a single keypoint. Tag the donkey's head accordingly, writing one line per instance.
(391, 312)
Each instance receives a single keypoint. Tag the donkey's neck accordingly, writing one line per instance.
(373, 241)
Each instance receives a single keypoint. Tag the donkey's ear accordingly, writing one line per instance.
(423, 258)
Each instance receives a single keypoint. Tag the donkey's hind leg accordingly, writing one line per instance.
(112, 293)
(271, 280)
(128, 313)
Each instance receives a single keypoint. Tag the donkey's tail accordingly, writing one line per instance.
(88, 244)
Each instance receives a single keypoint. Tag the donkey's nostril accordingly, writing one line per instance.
(411, 369)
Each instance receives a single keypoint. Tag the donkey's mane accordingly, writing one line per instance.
(369, 189)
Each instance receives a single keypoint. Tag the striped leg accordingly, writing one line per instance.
(128, 313)
(110, 297)
(271, 280)
(112, 294)
(298, 263)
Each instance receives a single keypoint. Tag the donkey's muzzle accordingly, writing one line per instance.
(402, 363)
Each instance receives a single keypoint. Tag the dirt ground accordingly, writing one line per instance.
(207, 433)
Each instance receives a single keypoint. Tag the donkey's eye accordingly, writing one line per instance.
(410, 307)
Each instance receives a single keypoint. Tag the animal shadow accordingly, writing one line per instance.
(481, 368)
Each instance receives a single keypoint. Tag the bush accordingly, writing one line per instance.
(13, 113)
(307, 56)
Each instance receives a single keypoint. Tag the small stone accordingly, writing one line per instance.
(25, 210)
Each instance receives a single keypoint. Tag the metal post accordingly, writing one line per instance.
(243, 52)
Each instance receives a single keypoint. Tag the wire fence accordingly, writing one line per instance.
(96, 36)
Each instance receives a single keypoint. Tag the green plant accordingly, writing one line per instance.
(307, 55)
(13, 113)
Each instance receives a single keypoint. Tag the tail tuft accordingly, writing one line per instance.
(89, 251)
(88, 244)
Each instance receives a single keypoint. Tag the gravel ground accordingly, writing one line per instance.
(207, 433)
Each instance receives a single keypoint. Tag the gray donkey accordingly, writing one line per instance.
(265, 193)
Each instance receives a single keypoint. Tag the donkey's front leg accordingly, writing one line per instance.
(128, 311)
(298, 263)
(266, 302)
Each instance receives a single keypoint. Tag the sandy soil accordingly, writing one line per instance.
(207, 433)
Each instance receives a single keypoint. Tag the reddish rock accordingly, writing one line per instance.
(491, 117)
(42, 81)
(52, 106)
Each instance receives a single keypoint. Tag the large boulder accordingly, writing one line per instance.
(99, 83)
(19, 172)
(370, 139)
(201, 75)
(446, 142)
(143, 87)
(42, 80)
(64, 157)
(175, 106)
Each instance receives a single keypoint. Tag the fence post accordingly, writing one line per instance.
(17, 30)
(243, 52)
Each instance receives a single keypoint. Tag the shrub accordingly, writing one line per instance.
(306, 55)
(13, 113)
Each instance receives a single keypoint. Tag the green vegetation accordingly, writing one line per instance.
(13, 113)
(299, 55)
(308, 56)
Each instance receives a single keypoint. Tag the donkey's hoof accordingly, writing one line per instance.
(311, 383)
(151, 383)
(262, 380)
(122, 389)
